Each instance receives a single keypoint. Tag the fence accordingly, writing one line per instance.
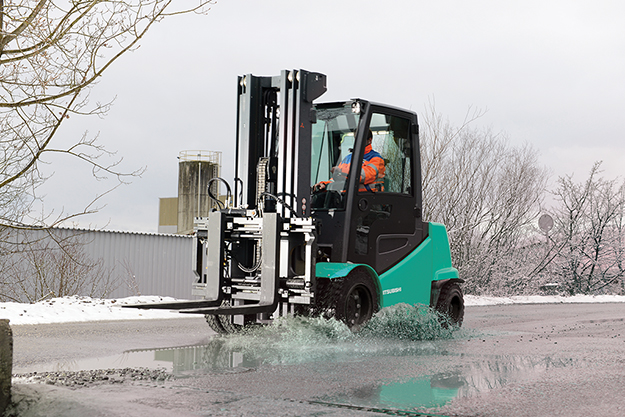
(132, 263)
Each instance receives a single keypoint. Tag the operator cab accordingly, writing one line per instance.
(378, 225)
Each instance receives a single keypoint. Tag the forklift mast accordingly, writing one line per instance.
(274, 120)
(258, 253)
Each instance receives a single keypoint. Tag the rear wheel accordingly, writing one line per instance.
(451, 303)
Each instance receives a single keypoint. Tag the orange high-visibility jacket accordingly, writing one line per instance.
(372, 172)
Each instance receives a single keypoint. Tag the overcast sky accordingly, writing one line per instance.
(549, 73)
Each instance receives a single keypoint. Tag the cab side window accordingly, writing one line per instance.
(391, 143)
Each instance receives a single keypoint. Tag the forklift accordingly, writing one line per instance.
(309, 226)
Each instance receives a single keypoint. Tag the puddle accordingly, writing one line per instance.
(175, 360)
(139, 359)
(464, 376)
(480, 374)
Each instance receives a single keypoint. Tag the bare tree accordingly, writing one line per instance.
(129, 278)
(51, 53)
(45, 264)
(487, 193)
(587, 250)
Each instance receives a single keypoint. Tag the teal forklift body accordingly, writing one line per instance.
(410, 280)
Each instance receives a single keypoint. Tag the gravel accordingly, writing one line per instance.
(78, 379)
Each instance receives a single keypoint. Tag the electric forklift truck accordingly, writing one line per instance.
(280, 244)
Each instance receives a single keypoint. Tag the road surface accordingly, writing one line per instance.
(510, 360)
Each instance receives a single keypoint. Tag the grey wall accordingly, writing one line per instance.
(141, 263)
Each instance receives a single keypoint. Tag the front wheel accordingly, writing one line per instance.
(356, 299)
(223, 324)
(451, 303)
(215, 324)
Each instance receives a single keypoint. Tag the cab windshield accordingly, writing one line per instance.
(332, 146)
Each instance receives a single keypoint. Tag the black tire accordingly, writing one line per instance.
(227, 322)
(215, 324)
(451, 303)
(322, 304)
(355, 299)
(223, 324)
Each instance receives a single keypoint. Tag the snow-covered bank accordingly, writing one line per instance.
(77, 309)
(473, 300)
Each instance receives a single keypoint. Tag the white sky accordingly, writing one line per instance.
(550, 73)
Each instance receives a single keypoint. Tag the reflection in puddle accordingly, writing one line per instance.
(426, 392)
(176, 360)
(481, 374)
(213, 356)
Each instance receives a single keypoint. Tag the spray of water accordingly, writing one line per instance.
(406, 322)
(397, 330)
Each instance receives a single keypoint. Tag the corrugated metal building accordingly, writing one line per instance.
(137, 263)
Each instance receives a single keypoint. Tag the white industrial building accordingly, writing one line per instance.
(114, 264)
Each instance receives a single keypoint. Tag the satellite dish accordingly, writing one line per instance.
(545, 223)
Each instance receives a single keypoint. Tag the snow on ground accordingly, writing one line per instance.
(74, 309)
(473, 300)
(77, 309)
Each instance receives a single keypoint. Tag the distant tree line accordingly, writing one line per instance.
(490, 196)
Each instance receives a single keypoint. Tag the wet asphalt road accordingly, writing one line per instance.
(517, 360)
(44, 346)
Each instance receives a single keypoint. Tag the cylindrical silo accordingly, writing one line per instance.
(195, 170)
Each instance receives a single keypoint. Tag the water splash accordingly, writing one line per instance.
(398, 330)
(301, 330)
(400, 321)
(291, 340)
(406, 322)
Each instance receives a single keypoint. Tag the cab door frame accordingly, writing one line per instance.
(384, 227)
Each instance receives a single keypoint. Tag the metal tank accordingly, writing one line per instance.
(195, 170)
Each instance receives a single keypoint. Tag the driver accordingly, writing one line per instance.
(371, 173)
